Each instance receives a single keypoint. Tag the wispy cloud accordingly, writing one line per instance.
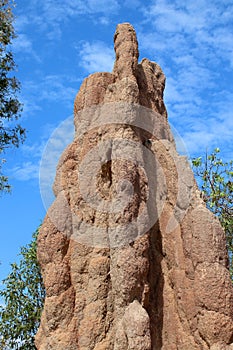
(26, 171)
(50, 15)
(190, 40)
(61, 136)
(22, 44)
(41, 157)
(27, 167)
(56, 88)
(132, 4)
(49, 88)
(100, 6)
(96, 57)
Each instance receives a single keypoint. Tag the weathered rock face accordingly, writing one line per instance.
(130, 256)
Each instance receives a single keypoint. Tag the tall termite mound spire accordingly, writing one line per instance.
(130, 256)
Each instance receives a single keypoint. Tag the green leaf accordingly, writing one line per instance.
(214, 177)
(23, 296)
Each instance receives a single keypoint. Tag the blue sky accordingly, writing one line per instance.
(61, 42)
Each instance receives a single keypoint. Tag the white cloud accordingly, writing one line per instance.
(132, 4)
(26, 171)
(211, 130)
(34, 150)
(172, 18)
(22, 44)
(188, 39)
(200, 22)
(21, 21)
(96, 57)
(54, 88)
(28, 168)
(50, 88)
(50, 15)
(104, 20)
(41, 157)
(59, 139)
(192, 41)
(103, 6)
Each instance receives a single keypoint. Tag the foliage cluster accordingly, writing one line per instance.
(11, 133)
(215, 179)
(23, 297)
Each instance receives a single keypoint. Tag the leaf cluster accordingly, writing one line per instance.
(11, 133)
(23, 296)
(215, 178)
